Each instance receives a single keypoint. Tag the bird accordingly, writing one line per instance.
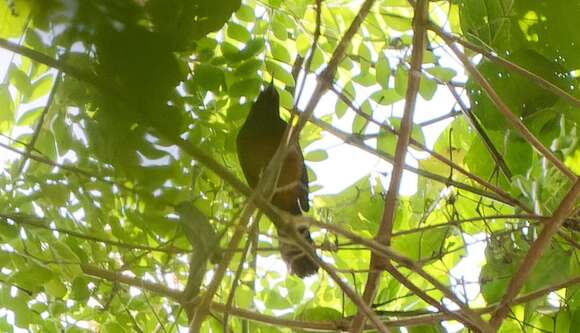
(257, 142)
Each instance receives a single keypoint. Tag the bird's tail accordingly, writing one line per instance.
(298, 261)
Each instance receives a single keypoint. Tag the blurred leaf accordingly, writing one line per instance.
(39, 88)
(316, 155)
(6, 105)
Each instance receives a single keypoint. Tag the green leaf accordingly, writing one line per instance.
(275, 301)
(238, 32)
(316, 155)
(29, 116)
(32, 276)
(113, 327)
(253, 47)
(55, 288)
(388, 141)
(244, 296)
(303, 44)
(542, 275)
(14, 17)
(246, 13)
(296, 289)
(23, 316)
(280, 73)
(56, 194)
(401, 77)
(365, 54)
(279, 52)
(442, 73)
(278, 28)
(383, 71)
(320, 313)
(427, 88)
(19, 79)
(248, 68)
(64, 252)
(398, 23)
(386, 96)
(8, 231)
(209, 77)
(246, 87)
(80, 291)
(6, 105)
(39, 88)
(340, 108)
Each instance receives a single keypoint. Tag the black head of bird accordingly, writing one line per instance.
(268, 102)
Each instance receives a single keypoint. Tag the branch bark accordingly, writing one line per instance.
(377, 264)
(534, 254)
(540, 81)
(504, 109)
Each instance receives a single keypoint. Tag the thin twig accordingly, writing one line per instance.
(535, 252)
(308, 62)
(237, 277)
(512, 119)
(385, 229)
(454, 166)
(538, 80)
(34, 221)
(435, 120)
(331, 325)
(61, 66)
(40, 123)
(474, 122)
(358, 143)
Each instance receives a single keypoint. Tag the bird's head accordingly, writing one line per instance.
(268, 101)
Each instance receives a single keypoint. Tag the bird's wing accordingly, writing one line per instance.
(303, 190)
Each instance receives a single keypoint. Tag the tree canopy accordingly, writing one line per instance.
(123, 206)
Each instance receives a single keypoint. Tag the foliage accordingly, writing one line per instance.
(105, 216)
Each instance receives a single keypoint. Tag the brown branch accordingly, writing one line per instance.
(362, 306)
(156, 288)
(512, 119)
(343, 324)
(34, 221)
(308, 62)
(83, 173)
(57, 64)
(501, 193)
(389, 254)
(535, 252)
(237, 276)
(473, 122)
(40, 123)
(325, 79)
(355, 141)
(330, 326)
(435, 120)
(202, 308)
(538, 80)
(385, 230)
(473, 219)
(458, 315)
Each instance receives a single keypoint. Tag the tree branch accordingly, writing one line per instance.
(383, 235)
(473, 121)
(503, 108)
(540, 81)
(535, 252)
(501, 193)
